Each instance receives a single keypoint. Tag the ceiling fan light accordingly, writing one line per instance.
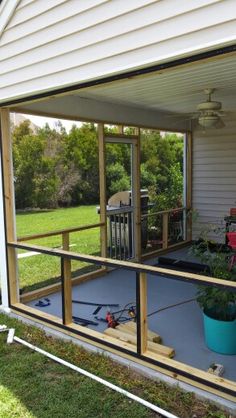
(208, 121)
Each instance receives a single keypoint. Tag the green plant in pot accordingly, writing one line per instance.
(218, 305)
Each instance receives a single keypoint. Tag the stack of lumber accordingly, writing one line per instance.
(127, 333)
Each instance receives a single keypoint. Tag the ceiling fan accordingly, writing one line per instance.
(209, 112)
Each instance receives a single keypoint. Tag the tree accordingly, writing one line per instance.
(54, 168)
(35, 180)
(81, 153)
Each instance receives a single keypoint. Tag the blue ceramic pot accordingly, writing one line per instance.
(220, 336)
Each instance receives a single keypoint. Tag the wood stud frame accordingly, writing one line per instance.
(9, 203)
(171, 367)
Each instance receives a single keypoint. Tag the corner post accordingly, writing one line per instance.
(9, 204)
(102, 187)
(189, 184)
(3, 252)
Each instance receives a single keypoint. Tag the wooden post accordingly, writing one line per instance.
(66, 282)
(9, 198)
(66, 241)
(102, 185)
(136, 197)
(142, 331)
(66, 291)
(165, 228)
(121, 129)
(189, 184)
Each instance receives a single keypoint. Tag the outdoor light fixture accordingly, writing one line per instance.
(208, 120)
(209, 112)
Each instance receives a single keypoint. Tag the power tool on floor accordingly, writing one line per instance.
(111, 321)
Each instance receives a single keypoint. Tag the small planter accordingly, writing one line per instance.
(220, 336)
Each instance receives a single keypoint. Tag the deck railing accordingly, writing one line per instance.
(160, 230)
(65, 234)
(165, 229)
(120, 233)
(80, 274)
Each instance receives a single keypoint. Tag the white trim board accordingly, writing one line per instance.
(7, 9)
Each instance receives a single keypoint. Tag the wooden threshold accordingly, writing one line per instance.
(179, 371)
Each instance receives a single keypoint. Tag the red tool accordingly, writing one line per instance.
(112, 323)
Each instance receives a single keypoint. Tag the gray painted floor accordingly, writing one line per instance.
(180, 327)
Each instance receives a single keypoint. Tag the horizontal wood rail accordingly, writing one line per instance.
(162, 212)
(136, 267)
(172, 231)
(121, 135)
(56, 287)
(59, 232)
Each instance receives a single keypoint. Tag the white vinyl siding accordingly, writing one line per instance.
(214, 177)
(52, 43)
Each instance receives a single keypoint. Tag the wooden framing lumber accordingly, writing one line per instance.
(131, 266)
(158, 363)
(160, 212)
(59, 232)
(162, 251)
(66, 282)
(165, 229)
(143, 311)
(8, 180)
(189, 184)
(56, 287)
(67, 285)
(136, 197)
(102, 187)
(121, 136)
(66, 291)
(153, 347)
(131, 328)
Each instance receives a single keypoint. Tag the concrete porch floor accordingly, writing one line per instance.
(180, 327)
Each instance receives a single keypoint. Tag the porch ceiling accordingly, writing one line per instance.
(170, 94)
(177, 90)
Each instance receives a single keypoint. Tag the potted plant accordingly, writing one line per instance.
(218, 305)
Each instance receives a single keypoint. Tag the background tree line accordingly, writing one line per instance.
(54, 168)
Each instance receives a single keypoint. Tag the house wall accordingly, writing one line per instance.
(48, 44)
(214, 178)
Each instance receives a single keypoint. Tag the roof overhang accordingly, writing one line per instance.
(163, 97)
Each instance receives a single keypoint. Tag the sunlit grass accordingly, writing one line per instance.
(33, 386)
(39, 270)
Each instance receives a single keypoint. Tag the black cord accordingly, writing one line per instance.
(123, 310)
(171, 306)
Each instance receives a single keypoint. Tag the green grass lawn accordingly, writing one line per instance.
(37, 271)
(33, 386)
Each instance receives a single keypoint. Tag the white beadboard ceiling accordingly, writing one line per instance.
(175, 91)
